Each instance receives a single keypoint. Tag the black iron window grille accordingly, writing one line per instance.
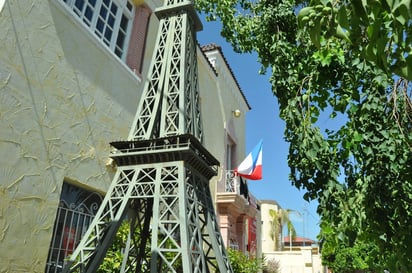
(76, 210)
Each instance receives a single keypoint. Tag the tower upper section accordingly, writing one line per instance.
(170, 104)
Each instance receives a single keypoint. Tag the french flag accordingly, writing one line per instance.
(251, 166)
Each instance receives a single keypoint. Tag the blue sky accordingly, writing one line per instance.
(263, 122)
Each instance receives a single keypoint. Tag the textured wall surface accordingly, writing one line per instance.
(62, 100)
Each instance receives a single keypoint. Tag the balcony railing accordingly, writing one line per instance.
(232, 182)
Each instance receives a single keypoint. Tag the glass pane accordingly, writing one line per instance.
(111, 20)
(108, 34)
(113, 9)
(118, 52)
(103, 12)
(120, 39)
(79, 4)
(123, 23)
(129, 6)
(88, 14)
(100, 25)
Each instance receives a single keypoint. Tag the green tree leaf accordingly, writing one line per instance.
(351, 58)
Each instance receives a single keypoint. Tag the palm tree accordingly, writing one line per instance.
(280, 218)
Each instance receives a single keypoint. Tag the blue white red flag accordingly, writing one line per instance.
(251, 166)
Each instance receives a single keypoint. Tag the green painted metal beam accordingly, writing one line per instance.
(162, 178)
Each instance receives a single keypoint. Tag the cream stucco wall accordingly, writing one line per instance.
(212, 115)
(268, 244)
(220, 96)
(230, 99)
(219, 122)
(63, 99)
(222, 128)
(299, 260)
(302, 261)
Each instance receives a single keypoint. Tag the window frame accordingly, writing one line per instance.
(89, 14)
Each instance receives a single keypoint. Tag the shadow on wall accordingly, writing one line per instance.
(90, 58)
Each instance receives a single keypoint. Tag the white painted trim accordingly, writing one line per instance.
(2, 2)
(78, 23)
(90, 16)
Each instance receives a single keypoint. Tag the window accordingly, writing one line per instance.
(232, 181)
(230, 154)
(76, 210)
(109, 20)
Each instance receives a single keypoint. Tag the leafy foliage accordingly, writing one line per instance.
(341, 61)
(380, 29)
(241, 263)
(358, 258)
(279, 219)
(113, 260)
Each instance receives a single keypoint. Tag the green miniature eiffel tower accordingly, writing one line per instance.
(161, 185)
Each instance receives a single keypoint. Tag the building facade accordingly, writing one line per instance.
(237, 208)
(71, 75)
(296, 254)
(269, 242)
(301, 260)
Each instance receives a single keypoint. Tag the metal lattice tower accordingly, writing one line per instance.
(161, 186)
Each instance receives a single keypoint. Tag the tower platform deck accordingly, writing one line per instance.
(173, 148)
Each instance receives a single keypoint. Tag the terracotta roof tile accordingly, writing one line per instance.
(298, 239)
